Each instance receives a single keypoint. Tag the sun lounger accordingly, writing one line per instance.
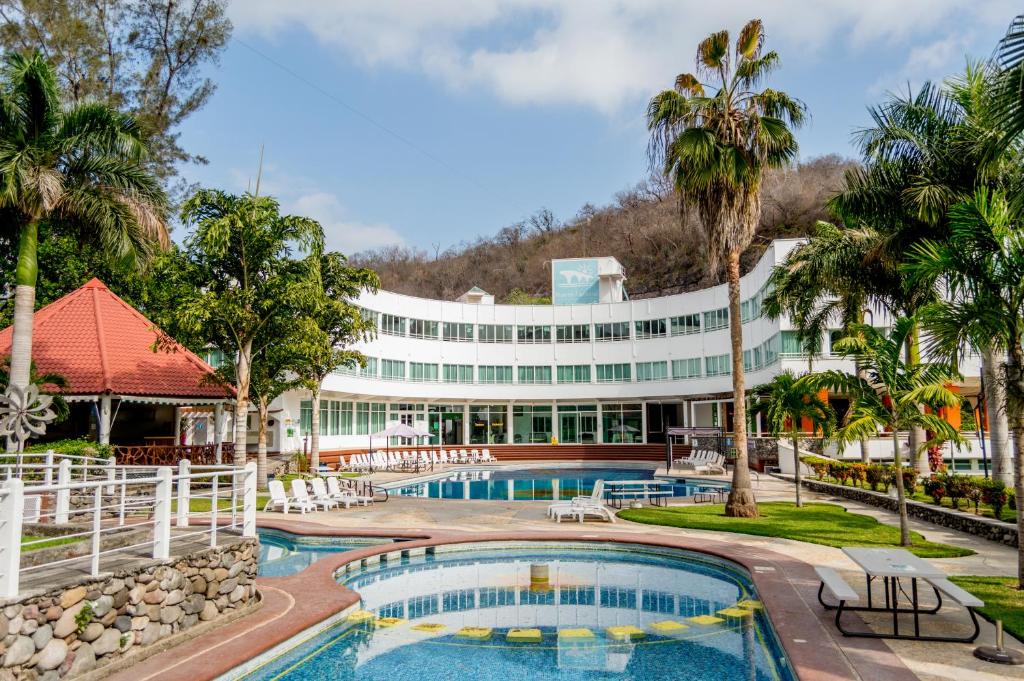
(278, 498)
(582, 506)
(301, 496)
(345, 496)
(320, 495)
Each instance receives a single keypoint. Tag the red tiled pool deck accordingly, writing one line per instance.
(292, 604)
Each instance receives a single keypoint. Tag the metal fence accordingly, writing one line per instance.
(93, 500)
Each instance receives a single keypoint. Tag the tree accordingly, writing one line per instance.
(716, 141)
(331, 323)
(274, 372)
(786, 403)
(235, 278)
(80, 168)
(145, 57)
(981, 268)
(890, 395)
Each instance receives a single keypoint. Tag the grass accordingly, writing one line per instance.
(203, 505)
(51, 541)
(1003, 601)
(825, 524)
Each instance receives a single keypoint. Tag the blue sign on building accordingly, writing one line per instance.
(575, 282)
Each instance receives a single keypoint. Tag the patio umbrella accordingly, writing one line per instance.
(398, 430)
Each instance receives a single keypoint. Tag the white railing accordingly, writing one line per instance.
(134, 501)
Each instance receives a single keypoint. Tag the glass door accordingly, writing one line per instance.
(569, 427)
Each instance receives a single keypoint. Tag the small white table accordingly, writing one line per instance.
(892, 565)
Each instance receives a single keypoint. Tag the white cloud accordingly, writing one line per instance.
(599, 53)
(341, 232)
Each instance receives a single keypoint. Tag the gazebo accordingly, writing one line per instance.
(121, 390)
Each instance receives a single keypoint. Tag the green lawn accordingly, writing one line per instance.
(1002, 600)
(826, 524)
(204, 505)
(52, 541)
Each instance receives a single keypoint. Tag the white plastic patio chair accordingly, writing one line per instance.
(300, 497)
(487, 456)
(463, 456)
(320, 495)
(345, 496)
(278, 498)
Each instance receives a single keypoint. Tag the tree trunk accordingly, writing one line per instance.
(242, 368)
(24, 305)
(741, 503)
(261, 444)
(901, 498)
(995, 407)
(796, 467)
(865, 447)
(1015, 400)
(314, 436)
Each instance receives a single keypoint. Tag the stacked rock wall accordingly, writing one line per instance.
(68, 631)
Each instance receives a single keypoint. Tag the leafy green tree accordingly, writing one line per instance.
(980, 267)
(786, 404)
(79, 167)
(144, 57)
(236, 278)
(890, 395)
(715, 141)
(330, 324)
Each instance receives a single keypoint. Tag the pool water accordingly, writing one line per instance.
(687, 616)
(530, 484)
(283, 554)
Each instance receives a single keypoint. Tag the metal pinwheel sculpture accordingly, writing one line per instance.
(24, 413)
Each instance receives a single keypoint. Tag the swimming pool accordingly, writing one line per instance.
(530, 484)
(612, 612)
(283, 553)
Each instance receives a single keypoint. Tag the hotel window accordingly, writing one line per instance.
(418, 371)
(423, 328)
(794, 346)
(771, 350)
(495, 333)
(651, 371)
(392, 325)
(370, 370)
(392, 369)
(614, 331)
(345, 419)
(489, 373)
(487, 424)
(718, 365)
(306, 417)
(575, 373)
(650, 328)
(215, 358)
(533, 334)
(460, 333)
(370, 316)
(535, 374)
(531, 423)
(685, 324)
(686, 368)
(378, 417)
(716, 319)
(362, 418)
(572, 333)
(622, 423)
(613, 373)
(458, 373)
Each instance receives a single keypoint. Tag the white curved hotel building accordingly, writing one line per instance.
(614, 372)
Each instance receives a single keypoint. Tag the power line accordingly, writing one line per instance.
(369, 119)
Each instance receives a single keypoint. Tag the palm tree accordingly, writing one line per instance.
(786, 403)
(981, 268)
(890, 394)
(82, 167)
(48, 382)
(715, 141)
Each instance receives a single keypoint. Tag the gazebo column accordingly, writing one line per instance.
(218, 428)
(103, 427)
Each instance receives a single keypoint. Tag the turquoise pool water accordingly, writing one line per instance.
(432, 600)
(531, 484)
(282, 553)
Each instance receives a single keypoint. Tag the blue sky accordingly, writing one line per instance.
(472, 115)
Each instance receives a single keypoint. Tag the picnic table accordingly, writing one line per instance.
(656, 492)
(893, 566)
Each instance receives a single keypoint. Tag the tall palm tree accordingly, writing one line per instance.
(981, 268)
(715, 140)
(890, 394)
(81, 167)
(786, 404)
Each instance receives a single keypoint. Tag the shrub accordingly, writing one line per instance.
(858, 473)
(840, 471)
(879, 477)
(817, 464)
(909, 481)
(995, 494)
(935, 461)
(956, 488)
(972, 490)
(73, 447)
(935, 488)
(1012, 499)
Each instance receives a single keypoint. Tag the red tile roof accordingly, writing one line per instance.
(101, 344)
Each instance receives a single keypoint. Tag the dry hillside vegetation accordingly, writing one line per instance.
(661, 252)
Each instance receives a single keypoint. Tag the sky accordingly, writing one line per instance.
(431, 123)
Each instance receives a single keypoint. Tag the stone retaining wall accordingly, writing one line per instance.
(68, 631)
(987, 528)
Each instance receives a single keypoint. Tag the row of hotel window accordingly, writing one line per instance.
(458, 424)
(760, 357)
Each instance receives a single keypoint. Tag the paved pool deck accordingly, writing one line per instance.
(812, 643)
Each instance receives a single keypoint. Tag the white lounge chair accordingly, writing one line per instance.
(463, 456)
(278, 498)
(487, 456)
(320, 495)
(582, 506)
(345, 496)
(301, 496)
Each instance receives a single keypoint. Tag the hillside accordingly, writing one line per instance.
(642, 228)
